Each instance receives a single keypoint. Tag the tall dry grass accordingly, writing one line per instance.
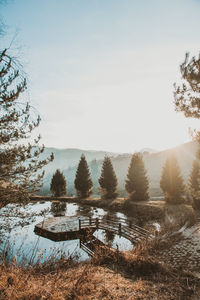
(108, 275)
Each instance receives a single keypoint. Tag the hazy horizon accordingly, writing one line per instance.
(118, 152)
(101, 73)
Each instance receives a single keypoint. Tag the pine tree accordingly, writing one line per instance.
(137, 184)
(19, 163)
(187, 95)
(108, 179)
(172, 182)
(194, 181)
(83, 182)
(58, 184)
(187, 99)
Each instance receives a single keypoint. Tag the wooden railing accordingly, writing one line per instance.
(119, 226)
(86, 248)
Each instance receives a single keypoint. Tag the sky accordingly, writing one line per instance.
(101, 72)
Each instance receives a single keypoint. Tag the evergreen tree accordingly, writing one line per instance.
(187, 95)
(194, 181)
(83, 182)
(19, 163)
(187, 100)
(58, 184)
(108, 179)
(137, 184)
(172, 182)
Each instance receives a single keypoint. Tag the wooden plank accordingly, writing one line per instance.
(63, 228)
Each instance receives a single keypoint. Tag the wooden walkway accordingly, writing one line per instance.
(119, 226)
(68, 228)
(62, 228)
(89, 245)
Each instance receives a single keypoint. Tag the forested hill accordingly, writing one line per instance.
(67, 161)
(67, 158)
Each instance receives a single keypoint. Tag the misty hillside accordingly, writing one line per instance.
(154, 163)
(67, 160)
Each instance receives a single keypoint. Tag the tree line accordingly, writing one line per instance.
(186, 100)
(20, 163)
(137, 182)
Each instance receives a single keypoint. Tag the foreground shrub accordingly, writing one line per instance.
(179, 215)
(194, 182)
(109, 275)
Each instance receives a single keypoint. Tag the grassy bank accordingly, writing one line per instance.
(144, 210)
(109, 275)
(147, 209)
(137, 274)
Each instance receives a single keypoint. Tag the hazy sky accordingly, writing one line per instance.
(101, 72)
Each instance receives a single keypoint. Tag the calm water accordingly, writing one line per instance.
(19, 240)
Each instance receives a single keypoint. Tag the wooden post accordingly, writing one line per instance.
(97, 223)
(130, 224)
(120, 229)
(79, 224)
(80, 243)
(90, 221)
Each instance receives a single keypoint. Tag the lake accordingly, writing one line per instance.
(19, 242)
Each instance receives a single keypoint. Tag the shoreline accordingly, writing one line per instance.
(152, 209)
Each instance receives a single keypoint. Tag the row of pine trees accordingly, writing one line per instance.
(136, 184)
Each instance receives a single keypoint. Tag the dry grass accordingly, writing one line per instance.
(109, 275)
(179, 215)
(86, 282)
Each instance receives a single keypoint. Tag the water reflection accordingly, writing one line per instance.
(22, 242)
(85, 211)
(109, 235)
(58, 208)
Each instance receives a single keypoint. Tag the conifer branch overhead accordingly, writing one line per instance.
(20, 166)
(187, 94)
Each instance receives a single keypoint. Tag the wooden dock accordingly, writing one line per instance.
(62, 228)
(68, 228)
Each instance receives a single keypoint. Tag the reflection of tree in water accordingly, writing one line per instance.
(85, 211)
(109, 236)
(95, 174)
(110, 215)
(58, 208)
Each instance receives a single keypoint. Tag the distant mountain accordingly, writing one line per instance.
(185, 154)
(148, 151)
(154, 163)
(67, 160)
